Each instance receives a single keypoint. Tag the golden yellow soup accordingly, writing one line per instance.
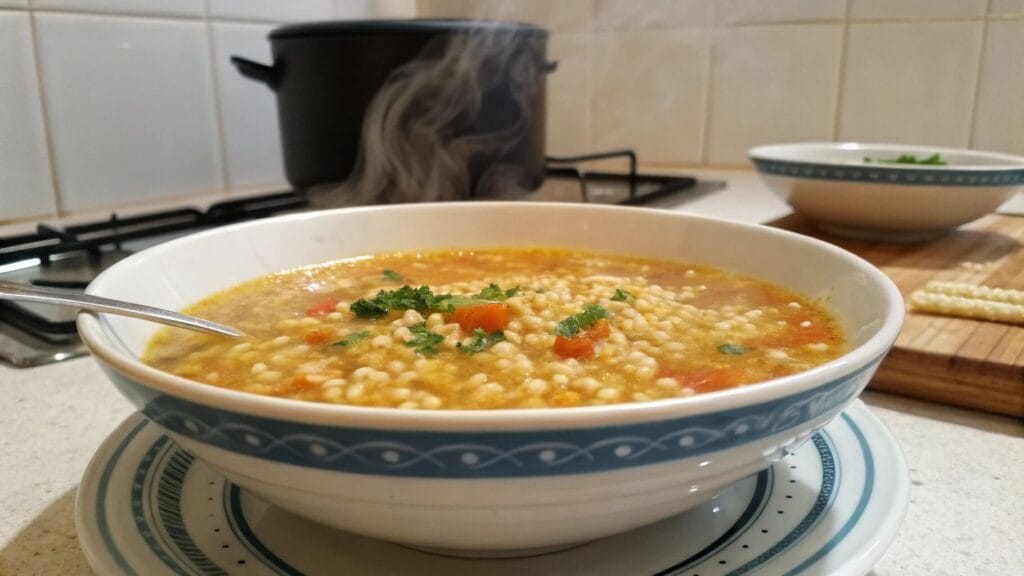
(500, 328)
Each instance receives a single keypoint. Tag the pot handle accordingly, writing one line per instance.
(256, 71)
(549, 67)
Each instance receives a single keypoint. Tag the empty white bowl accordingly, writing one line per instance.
(498, 482)
(835, 187)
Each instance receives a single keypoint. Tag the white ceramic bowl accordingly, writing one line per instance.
(832, 184)
(491, 482)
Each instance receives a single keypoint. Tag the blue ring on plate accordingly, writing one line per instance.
(890, 174)
(489, 454)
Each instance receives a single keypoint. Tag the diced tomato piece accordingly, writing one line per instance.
(489, 317)
(321, 308)
(580, 346)
(317, 337)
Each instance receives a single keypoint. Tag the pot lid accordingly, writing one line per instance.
(413, 26)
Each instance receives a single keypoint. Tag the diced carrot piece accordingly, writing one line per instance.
(580, 346)
(321, 308)
(600, 329)
(489, 317)
(317, 337)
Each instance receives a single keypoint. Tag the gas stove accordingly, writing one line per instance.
(69, 257)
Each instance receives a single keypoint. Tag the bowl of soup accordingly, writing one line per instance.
(888, 192)
(495, 379)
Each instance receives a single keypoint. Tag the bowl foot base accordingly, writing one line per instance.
(858, 233)
(500, 553)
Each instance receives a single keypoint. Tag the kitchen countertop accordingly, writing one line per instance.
(966, 513)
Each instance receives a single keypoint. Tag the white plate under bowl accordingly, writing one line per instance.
(145, 506)
(831, 184)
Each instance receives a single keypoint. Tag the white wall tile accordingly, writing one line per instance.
(374, 9)
(248, 109)
(130, 104)
(125, 7)
(772, 84)
(999, 115)
(910, 82)
(272, 10)
(13, 3)
(26, 188)
(649, 91)
(1006, 7)
(762, 12)
(555, 16)
(568, 95)
(887, 9)
(632, 14)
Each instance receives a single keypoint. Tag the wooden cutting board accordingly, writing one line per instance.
(969, 363)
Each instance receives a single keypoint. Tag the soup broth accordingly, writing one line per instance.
(500, 328)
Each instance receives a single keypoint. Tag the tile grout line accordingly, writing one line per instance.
(844, 49)
(51, 157)
(712, 34)
(218, 116)
(705, 125)
(978, 76)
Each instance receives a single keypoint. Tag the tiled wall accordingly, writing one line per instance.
(698, 82)
(111, 102)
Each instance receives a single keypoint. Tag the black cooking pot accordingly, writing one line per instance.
(327, 75)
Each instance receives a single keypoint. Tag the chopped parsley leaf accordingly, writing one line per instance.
(481, 341)
(405, 298)
(933, 160)
(423, 340)
(353, 338)
(392, 275)
(620, 295)
(494, 292)
(573, 324)
(732, 349)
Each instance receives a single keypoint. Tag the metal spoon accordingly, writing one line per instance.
(25, 293)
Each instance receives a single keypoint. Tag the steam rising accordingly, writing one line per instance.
(422, 134)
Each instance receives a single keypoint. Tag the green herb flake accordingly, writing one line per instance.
(494, 292)
(424, 341)
(732, 349)
(481, 341)
(573, 324)
(392, 275)
(620, 295)
(353, 338)
(405, 298)
(933, 160)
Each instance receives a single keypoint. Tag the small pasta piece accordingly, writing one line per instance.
(934, 303)
(975, 292)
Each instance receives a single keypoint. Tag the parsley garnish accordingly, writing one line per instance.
(423, 340)
(353, 338)
(933, 160)
(392, 275)
(494, 292)
(732, 349)
(573, 324)
(620, 295)
(405, 298)
(481, 341)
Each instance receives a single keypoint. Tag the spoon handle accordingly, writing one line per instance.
(26, 293)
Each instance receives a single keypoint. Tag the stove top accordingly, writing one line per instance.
(70, 257)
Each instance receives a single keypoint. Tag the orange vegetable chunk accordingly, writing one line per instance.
(488, 317)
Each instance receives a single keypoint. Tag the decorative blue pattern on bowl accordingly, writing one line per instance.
(490, 454)
(890, 174)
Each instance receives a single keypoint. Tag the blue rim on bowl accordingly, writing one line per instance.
(846, 162)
